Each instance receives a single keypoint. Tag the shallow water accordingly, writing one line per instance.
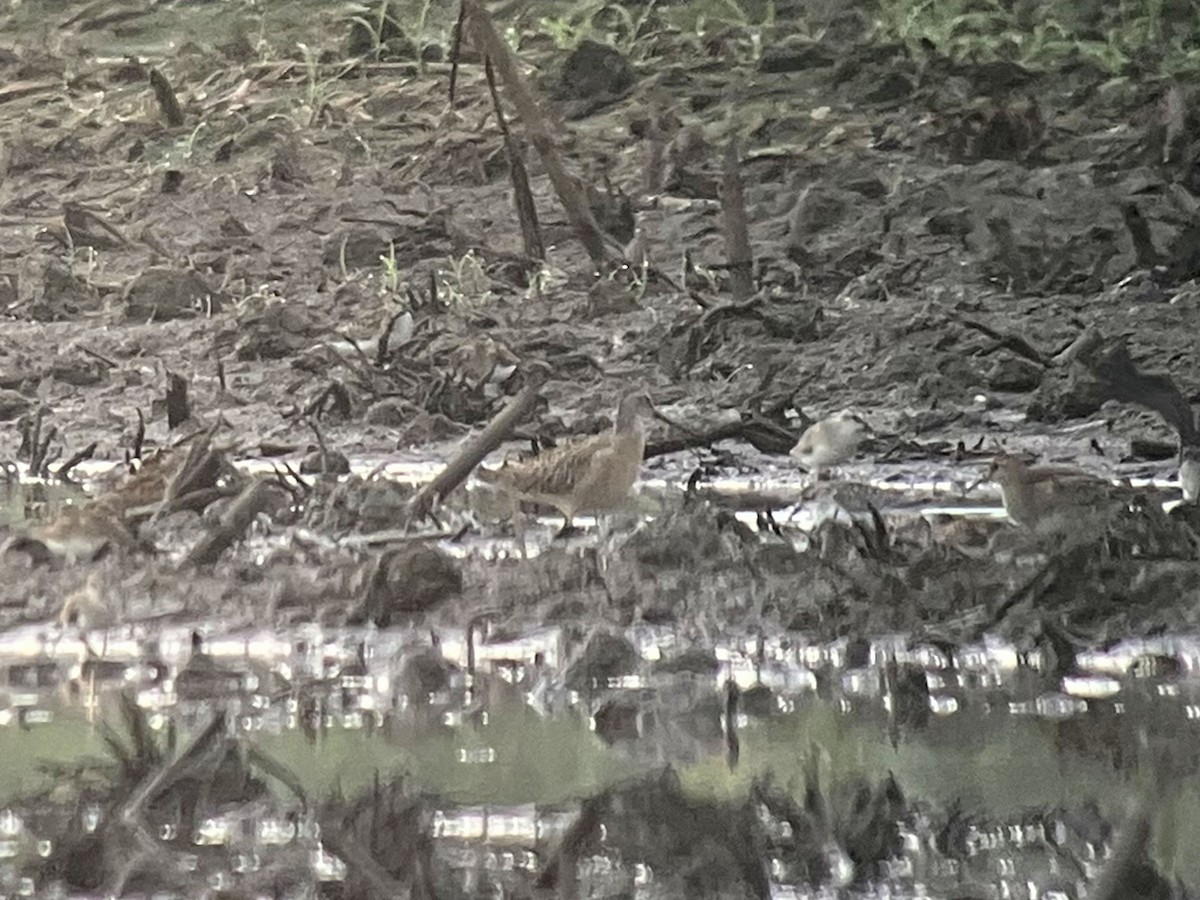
(510, 747)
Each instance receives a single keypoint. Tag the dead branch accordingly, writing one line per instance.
(232, 525)
(167, 101)
(570, 192)
(1006, 340)
(64, 471)
(471, 455)
(179, 410)
(1108, 360)
(733, 223)
(199, 460)
(531, 234)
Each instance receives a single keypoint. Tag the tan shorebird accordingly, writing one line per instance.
(829, 442)
(593, 475)
(75, 534)
(1053, 498)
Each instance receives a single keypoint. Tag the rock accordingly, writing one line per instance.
(1074, 396)
(161, 293)
(606, 656)
(13, 405)
(358, 247)
(817, 209)
(64, 296)
(594, 70)
(79, 371)
(332, 462)
(389, 411)
(278, 330)
(1014, 373)
(412, 579)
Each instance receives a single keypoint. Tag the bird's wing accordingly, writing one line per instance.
(593, 476)
(553, 473)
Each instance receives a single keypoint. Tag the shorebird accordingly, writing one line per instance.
(1052, 498)
(829, 442)
(85, 606)
(1189, 473)
(76, 534)
(592, 475)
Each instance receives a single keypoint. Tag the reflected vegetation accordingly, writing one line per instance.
(878, 768)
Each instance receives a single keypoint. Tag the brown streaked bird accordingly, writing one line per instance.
(76, 534)
(1052, 498)
(592, 475)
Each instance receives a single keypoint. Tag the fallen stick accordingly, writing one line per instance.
(232, 524)
(471, 455)
(1108, 360)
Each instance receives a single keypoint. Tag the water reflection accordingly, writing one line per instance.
(520, 721)
(982, 760)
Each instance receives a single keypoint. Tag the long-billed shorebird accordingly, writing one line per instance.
(1048, 499)
(593, 475)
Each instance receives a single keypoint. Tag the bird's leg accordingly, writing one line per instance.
(604, 525)
(518, 519)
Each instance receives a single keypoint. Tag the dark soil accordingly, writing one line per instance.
(893, 203)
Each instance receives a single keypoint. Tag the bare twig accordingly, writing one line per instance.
(570, 191)
(64, 471)
(531, 234)
(100, 357)
(471, 455)
(737, 231)
(232, 525)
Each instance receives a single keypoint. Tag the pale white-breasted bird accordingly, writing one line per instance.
(1189, 473)
(829, 442)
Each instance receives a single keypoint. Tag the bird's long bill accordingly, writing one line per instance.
(981, 480)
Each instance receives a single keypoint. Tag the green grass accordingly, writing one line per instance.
(1151, 36)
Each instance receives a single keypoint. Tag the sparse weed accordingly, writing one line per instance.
(601, 21)
(616, 25)
(1110, 37)
(390, 280)
(318, 88)
(378, 26)
(464, 283)
(375, 23)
